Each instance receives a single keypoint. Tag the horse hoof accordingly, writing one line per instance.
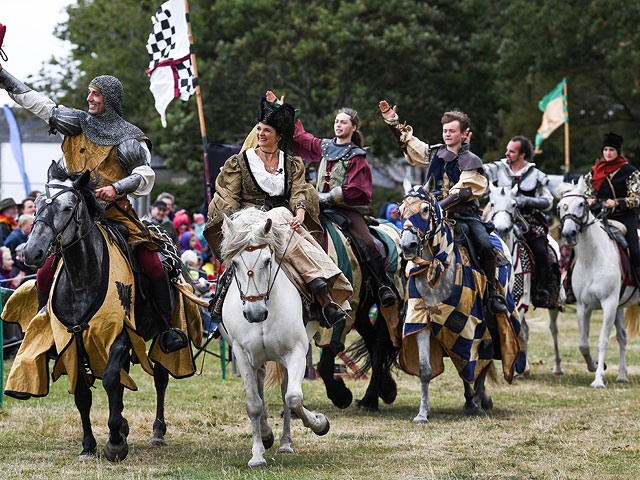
(285, 449)
(87, 454)
(388, 390)
(366, 408)
(257, 464)
(158, 442)
(622, 380)
(116, 453)
(486, 402)
(342, 396)
(325, 430)
(473, 411)
(267, 442)
(558, 372)
(421, 420)
(597, 384)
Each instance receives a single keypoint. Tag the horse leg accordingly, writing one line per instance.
(83, 399)
(337, 391)
(266, 434)
(160, 381)
(609, 308)
(621, 337)
(255, 407)
(525, 331)
(475, 396)
(553, 327)
(584, 321)
(286, 442)
(116, 447)
(296, 365)
(424, 356)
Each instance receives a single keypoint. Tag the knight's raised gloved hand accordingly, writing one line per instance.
(522, 201)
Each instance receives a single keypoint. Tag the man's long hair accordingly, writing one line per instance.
(357, 137)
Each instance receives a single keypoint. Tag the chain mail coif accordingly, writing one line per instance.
(108, 128)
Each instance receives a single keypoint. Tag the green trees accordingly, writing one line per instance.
(493, 60)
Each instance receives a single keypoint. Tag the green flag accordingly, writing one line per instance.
(555, 113)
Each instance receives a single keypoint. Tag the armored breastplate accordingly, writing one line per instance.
(341, 154)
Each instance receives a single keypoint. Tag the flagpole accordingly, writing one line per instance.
(566, 129)
(203, 129)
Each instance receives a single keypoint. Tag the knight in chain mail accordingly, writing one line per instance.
(532, 199)
(119, 155)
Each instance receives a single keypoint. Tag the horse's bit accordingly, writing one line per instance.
(46, 215)
(579, 221)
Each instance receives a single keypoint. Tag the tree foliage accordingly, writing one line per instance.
(493, 60)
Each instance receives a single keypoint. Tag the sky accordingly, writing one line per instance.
(29, 41)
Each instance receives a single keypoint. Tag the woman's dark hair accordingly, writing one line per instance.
(525, 146)
(357, 137)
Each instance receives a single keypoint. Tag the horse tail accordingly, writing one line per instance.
(274, 375)
(632, 320)
(359, 354)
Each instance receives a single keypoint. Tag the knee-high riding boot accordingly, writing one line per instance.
(497, 303)
(331, 311)
(170, 339)
(381, 285)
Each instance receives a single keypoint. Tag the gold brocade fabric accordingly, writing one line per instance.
(82, 154)
(29, 374)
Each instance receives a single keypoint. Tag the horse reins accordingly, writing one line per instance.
(250, 273)
(46, 216)
(579, 221)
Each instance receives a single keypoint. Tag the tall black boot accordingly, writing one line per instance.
(381, 285)
(497, 303)
(332, 313)
(169, 339)
(541, 296)
(43, 298)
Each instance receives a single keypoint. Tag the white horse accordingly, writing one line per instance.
(427, 238)
(262, 321)
(503, 214)
(596, 279)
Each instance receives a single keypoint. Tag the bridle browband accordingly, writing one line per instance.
(250, 273)
(45, 215)
(579, 221)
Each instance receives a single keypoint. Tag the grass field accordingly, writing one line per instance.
(542, 427)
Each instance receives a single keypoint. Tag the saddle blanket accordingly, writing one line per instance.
(29, 376)
(459, 325)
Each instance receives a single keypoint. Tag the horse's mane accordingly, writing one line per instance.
(248, 229)
(58, 172)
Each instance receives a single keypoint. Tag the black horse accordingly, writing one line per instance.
(375, 346)
(66, 223)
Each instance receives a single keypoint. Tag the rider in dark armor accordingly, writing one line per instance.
(532, 199)
(616, 183)
(344, 185)
(458, 183)
(119, 154)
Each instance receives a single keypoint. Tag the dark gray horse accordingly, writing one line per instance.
(65, 222)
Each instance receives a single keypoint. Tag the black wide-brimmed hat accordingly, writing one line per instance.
(7, 203)
(612, 140)
(281, 117)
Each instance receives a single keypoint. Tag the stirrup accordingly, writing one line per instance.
(336, 314)
(170, 345)
(386, 296)
(497, 304)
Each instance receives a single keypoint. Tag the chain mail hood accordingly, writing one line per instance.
(108, 128)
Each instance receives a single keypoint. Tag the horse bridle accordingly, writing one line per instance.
(424, 239)
(46, 216)
(250, 274)
(579, 221)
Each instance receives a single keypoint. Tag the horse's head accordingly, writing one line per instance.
(503, 208)
(422, 215)
(573, 210)
(248, 246)
(60, 212)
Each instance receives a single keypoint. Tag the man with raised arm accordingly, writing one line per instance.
(119, 154)
(533, 198)
(458, 183)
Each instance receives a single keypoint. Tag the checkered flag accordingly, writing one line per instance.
(170, 70)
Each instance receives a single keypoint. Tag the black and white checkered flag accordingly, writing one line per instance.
(170, 70)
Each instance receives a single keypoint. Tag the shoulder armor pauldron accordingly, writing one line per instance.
(132, 154)
(66, 121)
